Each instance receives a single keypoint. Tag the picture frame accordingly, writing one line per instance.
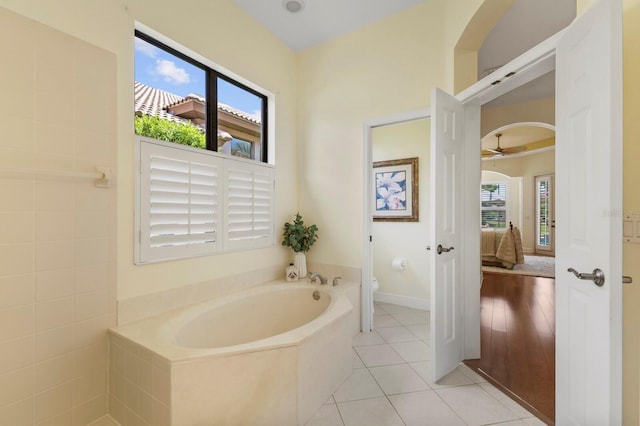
(396, 190)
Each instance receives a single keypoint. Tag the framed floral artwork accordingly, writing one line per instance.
(396, 190)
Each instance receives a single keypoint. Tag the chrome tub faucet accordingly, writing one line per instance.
(315, 275)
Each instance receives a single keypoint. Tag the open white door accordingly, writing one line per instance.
(447, 316)
(588, 214)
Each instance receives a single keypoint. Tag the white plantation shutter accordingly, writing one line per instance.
(179, 203)
(194, 202)
(249, 205)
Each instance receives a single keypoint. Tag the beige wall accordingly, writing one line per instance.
(110, 25)
(365, 74)
(323, 96)
(536, 111)
(57, 236)
(631, 252)
(385, 68)
(527, 167)
(54, 377)
(404, 239)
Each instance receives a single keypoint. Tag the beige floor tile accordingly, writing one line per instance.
(399, 309)
(369, 412)
(356, 362)
(375, 355)
(378, 308)
(464, 369)
(455, 378)
(422, 331)
(533, 421)
(400, 378)
(412, 351)
(396, 334)
(386, 320)
(360, 385)
(424, 408)
(412, 318)
(327, 415)
(365, 339)
(515, 408)
(475, 406)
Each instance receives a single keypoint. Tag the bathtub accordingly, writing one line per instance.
(271, 355)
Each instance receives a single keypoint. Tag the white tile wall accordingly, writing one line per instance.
(57, 280)
(140, 391)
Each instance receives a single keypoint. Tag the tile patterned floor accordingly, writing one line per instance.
(390, 383)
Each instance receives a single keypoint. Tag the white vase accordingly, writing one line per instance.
(300, 262)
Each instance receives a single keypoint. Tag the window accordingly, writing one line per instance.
(195, 202)
(203, 184)
(544, 212)
(181, 100)
(494, 205)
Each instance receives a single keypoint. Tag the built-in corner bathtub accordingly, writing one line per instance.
(271, 355)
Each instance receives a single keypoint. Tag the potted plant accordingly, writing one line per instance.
(300, 238)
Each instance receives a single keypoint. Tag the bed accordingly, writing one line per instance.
(502, 248)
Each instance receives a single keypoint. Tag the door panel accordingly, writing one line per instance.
(447, 142)
(588, 206)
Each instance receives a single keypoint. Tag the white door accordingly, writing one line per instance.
(588, 215)
(447, 143)
(545, 214)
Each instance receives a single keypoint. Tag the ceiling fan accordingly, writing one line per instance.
(499, 152)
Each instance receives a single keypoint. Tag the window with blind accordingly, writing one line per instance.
(494, 205)
(194, 202)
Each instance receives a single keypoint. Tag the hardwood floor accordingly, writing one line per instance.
(518, 339)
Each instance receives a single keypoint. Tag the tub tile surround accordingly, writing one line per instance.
(253, 386)
(57, 235)
(150, 305)
(388, 386)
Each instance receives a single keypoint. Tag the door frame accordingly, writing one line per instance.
(532, 64)
(551, 250)
(366, 302)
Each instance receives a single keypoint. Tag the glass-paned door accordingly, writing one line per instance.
(545, 220)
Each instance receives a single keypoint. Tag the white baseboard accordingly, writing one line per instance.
(396, 299)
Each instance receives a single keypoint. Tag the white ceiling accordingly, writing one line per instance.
(320, 20)
(525, 24)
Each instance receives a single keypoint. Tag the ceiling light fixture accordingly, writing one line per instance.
(293, 6)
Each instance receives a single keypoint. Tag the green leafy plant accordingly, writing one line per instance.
(298, 236)
(158, 128)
